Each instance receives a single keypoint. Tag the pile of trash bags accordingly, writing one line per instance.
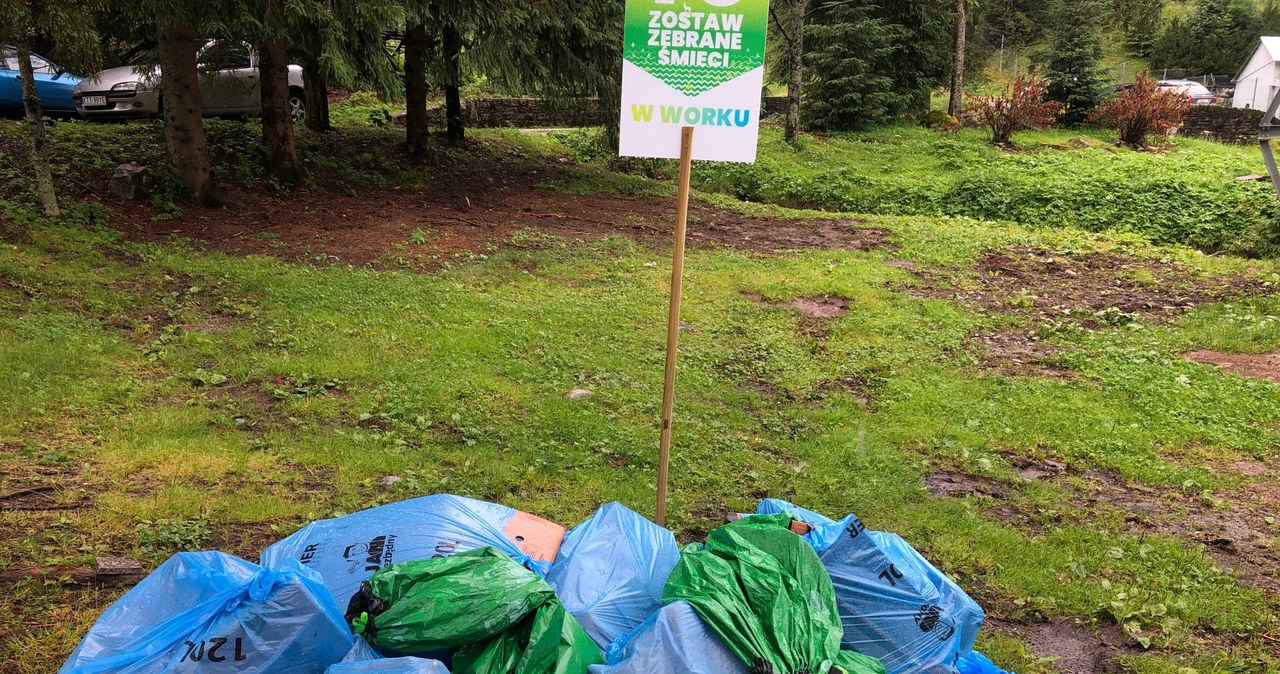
(443, 584)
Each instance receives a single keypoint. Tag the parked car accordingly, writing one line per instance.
(228, 86)
(54, 84)
(1197, 93)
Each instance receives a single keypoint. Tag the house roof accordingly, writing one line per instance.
(1272, 44)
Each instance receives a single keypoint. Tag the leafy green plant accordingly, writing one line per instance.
(201, 377)
(173, 535)
(380, 117)
(307, 385)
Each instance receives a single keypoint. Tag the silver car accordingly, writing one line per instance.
(1195, 92)
(228, 87)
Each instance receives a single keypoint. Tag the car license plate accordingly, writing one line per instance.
(89, 101)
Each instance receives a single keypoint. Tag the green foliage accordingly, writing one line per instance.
(922, 60)
(868, 62)
(847, 65)
(344, 39)
(1015, 23)
(1071, 62)
(1186, 195)
(1140, 21)
(549, 49)
(363, 108)
(1217, 37)
(67, 27)
(173, 535)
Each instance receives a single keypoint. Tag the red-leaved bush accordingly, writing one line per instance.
(1024, 108)
(1142, 111)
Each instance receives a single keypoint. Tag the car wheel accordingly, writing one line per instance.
(297, 106)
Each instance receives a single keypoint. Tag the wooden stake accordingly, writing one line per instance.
(673, 319)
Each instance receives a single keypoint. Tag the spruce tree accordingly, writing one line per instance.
(1071, 64)
(872, 61)
(921, 59)
(848, 65)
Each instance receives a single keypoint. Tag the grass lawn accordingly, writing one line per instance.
(992, 391)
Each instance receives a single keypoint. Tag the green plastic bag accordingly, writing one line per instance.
(501, 617)
(765, 592)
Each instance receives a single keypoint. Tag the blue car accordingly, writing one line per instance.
(53, 84)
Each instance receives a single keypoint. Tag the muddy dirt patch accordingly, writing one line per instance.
(769, 235)
(1095, 290)
(1013, 354)
(1037, 469)
(864, 387)
(1236, 527)
(42, 498)
(211, 325)
(1077, 649)
(246, 540)
(949, 483)
(472, 207)
(1265, 366)
(810, 307)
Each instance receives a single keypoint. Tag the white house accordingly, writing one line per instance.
(1259, 80)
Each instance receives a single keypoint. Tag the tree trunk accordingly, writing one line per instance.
(185, 144)
(452, 80)
(415, 87)
(957, 59)
(316, 91)
(277, 117)
(35, 132)
(795, 68)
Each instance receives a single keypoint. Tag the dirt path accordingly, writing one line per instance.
(476, 210)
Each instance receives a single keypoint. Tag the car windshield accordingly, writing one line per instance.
(40, 66)
(1186, 87)
(225, 55)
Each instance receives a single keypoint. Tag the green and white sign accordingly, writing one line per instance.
(696, 63)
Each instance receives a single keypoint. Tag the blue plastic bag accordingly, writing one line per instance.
(894, 605)
(977, 663)
(672, 641)
(826, 531)
(348, 550)
(362, 659)
(404, 665)
(611, 570)
(211, 612)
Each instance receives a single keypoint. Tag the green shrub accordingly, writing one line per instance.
(1186, 195)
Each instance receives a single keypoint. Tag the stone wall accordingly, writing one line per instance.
(532, 113)
(774, 105)
(1223, 124)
